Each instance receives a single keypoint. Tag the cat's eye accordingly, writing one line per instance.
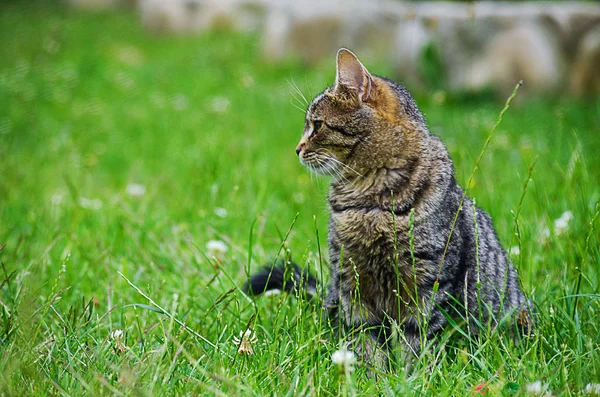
(317, 125)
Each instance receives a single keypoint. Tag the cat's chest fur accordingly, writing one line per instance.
(374, 245)
(364, 229)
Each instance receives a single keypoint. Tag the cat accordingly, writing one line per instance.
(403, 249)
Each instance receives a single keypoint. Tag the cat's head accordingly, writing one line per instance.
(362, 123)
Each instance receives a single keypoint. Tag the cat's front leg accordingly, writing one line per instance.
(372, 344)
(369, 340)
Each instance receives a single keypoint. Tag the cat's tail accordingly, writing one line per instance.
(282, 276)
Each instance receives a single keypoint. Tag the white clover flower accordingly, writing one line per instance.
(220, 104)
(535, 387)
(544, 235)
(220, 212)
(216, 248)
(561, 225)
(117, 337)
(90, 204)
(135, 190)
(272, 292)
(116, 334)
(344, 359)
(57, 198)
(592, 388)
(245, 342)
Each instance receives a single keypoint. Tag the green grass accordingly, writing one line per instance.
(90, 103)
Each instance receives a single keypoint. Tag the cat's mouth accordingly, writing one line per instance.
(317, 164)
(322, 163)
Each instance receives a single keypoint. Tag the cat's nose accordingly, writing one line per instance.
(298, 149)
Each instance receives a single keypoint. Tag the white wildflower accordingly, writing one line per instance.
(561, 225)
(117, 337)
(245, 342)
(220, 212)
(57, 198)
(344, 359)
(90, 204)
(592, 388)
(544, 235)
(220, 104)
(272, 292)
(216, 248)
(515, 250)
(535, 387)
(135, 190)
(116, 334)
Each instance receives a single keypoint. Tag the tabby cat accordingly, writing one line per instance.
(403, 250)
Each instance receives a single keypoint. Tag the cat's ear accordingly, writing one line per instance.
(352, 75)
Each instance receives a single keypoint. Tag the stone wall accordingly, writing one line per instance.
(552, 47)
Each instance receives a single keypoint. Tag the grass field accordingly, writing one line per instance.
(122, 155)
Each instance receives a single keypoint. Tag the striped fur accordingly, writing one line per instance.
(367, 132)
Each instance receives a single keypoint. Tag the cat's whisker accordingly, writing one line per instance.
(297, 89)
(299, 98)
(312, 172)
(338, 173)
(347, 167)
(296, 106)
(330, 156)
(330, 168)
(323, 166)
(320, 164)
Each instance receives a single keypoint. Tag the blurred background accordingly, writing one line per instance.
(459, 46)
